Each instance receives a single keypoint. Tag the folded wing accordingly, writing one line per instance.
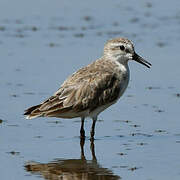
(80, 94)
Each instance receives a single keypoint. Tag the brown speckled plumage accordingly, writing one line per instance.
(90, 87)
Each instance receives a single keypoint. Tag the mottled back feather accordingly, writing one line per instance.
(92, 86)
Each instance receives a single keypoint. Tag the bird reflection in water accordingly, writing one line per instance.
(72, 169)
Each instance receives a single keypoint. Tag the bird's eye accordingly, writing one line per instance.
(122, 47)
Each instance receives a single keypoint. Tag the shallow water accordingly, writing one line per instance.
(41, 43)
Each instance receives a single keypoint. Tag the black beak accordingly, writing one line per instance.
(139, 59)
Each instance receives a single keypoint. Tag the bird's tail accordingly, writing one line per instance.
(33, 112)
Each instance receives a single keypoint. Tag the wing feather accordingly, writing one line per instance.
(92, 86)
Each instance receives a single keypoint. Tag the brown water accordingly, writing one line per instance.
(41, 43)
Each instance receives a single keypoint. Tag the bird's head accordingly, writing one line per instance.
(122, 50)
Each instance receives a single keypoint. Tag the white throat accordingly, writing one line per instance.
(117, 59)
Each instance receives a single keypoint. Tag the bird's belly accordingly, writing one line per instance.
(99, 109)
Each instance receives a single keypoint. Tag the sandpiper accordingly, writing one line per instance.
(93, 88)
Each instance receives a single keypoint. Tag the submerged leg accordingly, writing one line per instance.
(82, 142)
(93, 151)
(82, 132)
(93, 128)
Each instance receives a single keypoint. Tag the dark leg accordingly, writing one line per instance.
(93, 151)
(82, 142)
(93, 128)
(82, 132)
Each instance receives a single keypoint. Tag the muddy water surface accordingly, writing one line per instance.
(41, 43)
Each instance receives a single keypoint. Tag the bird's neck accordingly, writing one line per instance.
(118, 60)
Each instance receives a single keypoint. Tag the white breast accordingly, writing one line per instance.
(124, 74)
